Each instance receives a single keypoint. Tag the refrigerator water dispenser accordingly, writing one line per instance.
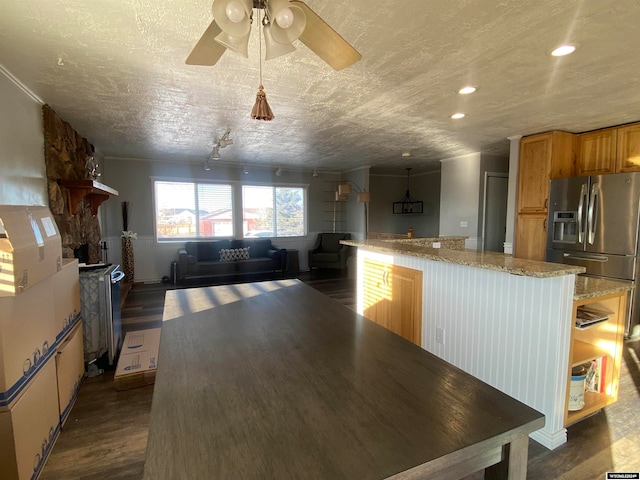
(565, 227)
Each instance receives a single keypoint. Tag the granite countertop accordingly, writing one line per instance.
(472, 258)
(592, 287)
(430, 239)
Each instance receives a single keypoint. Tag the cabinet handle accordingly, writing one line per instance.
(544, 224)
(546, 203)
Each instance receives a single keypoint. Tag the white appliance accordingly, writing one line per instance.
(100, 305)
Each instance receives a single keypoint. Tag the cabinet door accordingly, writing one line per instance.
(393, 298)
(534, 173)
(597, 152)
(531, 237)
(405, 315)
(628, 149)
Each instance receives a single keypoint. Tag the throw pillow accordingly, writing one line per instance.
(232, 254)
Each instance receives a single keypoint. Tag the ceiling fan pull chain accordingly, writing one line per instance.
(261, 109)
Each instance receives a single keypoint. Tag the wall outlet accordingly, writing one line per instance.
(436, 245)
(440, 335)
(464, 224)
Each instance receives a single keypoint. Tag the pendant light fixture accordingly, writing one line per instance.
(407, 204)
(261, 109)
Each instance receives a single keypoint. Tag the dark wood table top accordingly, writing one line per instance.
(276, 380)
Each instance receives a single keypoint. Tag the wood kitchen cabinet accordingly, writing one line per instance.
(601, 343)
(609, 150)
(393, 298)
(628, 148)
(531, 234)
(542, 157)
(597, 152)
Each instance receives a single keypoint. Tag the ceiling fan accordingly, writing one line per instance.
(284, 21)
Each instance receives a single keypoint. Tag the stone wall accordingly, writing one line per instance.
(65, 155)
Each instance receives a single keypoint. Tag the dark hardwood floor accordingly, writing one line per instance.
(106, 433)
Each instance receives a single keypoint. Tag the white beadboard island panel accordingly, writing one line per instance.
(511, 331)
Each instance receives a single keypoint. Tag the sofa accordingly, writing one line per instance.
(220, 261)
(328, 252)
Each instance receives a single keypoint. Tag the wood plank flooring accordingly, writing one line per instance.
(106, 433)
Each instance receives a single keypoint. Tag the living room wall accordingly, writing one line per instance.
(386, 189)
(22, 168)
(133, 179)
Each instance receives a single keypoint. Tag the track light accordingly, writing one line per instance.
(278, 172)
(315, 173)
(216, 153)
(207, 165)
(245, 170)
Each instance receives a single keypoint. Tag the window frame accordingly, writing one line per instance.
(236, 207)
(195, 184)
(274, 186)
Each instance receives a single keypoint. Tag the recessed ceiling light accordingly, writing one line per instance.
(406, 154)
(563, 50)
(456, 116)
(467, 90)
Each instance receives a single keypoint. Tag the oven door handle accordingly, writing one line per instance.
(119, 276)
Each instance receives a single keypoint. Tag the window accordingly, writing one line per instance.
(193, 210)
(273, 211)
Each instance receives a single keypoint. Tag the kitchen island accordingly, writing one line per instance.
(506, 321)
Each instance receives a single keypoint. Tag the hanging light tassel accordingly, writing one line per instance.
(261, 110)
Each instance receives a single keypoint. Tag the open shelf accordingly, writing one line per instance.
(77, 190)
(584, 352)
(592, 403)
(602, 339)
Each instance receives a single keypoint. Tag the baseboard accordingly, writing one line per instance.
(550, 440)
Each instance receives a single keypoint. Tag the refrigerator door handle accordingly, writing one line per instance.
(591, 219)
(589, 258)
(583, 195)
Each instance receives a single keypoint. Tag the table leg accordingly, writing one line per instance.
(514, 461)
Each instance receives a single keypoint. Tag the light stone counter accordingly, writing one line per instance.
(450, 243)
(591, 287)
(471, 258)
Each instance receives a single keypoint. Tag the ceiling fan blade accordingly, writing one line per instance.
(207, 51)
(325, 42)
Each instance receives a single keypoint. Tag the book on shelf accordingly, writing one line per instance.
(595, 381)
(589, 315)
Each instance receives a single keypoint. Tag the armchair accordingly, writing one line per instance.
(327, 252)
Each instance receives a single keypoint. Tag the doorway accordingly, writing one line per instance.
(494, 224)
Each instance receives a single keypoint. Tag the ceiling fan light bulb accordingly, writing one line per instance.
(283, 11)
(285, 18)
(274, 49)
(239, 45)
(234, 11)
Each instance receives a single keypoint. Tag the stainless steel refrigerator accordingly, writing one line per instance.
(593, 222)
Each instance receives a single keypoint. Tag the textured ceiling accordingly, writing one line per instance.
(124, 85)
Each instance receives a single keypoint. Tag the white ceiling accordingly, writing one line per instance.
(125, 87)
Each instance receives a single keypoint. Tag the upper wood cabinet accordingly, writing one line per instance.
(597, 152)
(609, 150)
(628, 148)
(543, 157)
